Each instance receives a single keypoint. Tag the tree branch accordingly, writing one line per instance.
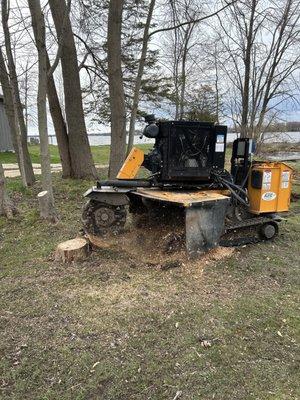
(193, 21)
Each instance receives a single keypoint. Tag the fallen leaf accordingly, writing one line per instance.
(206, 343)
(96, 363)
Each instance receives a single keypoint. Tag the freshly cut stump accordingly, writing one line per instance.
(77, 249)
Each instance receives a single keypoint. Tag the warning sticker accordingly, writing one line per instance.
(267, 176)
(285, 176)
(220, 147)
(285, 179)
(266, 186)
(284, 185)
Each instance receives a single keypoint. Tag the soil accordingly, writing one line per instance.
(156, 247)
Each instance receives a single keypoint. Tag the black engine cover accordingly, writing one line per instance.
(187, 151)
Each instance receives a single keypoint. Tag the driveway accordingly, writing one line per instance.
(12, 170)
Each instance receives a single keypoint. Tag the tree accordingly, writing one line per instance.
(12, 116)
(29, 175)
(201, 105)
(260, 58)
(60, 127)
(138, 83)
(116, 88)
(38, 23)
(7, 207)
(183, 44)
(80, 152)
(150, 86)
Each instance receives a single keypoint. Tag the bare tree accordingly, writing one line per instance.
(116, 88)
(7, 207)
(138, 83)
(47, 209)
(260, 59)
(80, 152)
(29, 175)
(181, 41)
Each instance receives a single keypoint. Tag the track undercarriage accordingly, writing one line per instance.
(207, 218)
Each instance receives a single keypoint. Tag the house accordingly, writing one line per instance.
(5, 137)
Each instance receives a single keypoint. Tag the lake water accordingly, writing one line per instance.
(100, 140)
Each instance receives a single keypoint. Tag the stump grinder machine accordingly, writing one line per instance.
(188, 176)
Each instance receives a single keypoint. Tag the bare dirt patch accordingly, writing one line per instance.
(159, 247)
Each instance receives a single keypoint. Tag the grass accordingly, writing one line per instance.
(100, 154)
(115, 327)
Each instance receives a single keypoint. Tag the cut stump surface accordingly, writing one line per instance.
(77, 249)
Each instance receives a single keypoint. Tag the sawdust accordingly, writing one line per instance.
(160, 247)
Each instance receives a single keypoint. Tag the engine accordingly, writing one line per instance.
(185, 151)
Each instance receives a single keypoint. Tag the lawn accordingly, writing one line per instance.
(100, 154)
(118, 328)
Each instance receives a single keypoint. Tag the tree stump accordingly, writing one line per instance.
(98, 242)
(47, 210)
(77, 249)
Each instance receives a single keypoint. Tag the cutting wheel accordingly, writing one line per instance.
(101, 219)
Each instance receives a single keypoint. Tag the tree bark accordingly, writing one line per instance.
(7, 207)
(138, 82)
(38, 24)
(247, 64)
(59, 126)
(116, 88)
(77, 249)
(79, 148)
(58, 122)
(30, 179)
(183, 77)
(11, 116)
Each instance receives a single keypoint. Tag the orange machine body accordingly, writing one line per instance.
(132, 164)
(269, 188)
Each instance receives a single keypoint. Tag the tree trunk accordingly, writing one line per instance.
(16, 96)
(79, 148)
(58, 122)
(59, 126)
(138, 82)
(183, 83)
(247, 64)
(116, 88)
(11, 116)
(7, 208)
(38, 23)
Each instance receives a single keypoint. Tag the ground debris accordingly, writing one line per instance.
(177, 395)
(170, 265)
(206, 343)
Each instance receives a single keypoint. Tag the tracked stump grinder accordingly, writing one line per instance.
(188, 178)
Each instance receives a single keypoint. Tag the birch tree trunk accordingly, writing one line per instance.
(38, 23)
(16, 95)
(7, 207)
(138, 83)
(79, 148)
(116, 88)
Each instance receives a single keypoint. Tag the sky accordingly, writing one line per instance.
(291, 110)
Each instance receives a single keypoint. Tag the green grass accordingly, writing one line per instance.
(115, 328)
(100, 154)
